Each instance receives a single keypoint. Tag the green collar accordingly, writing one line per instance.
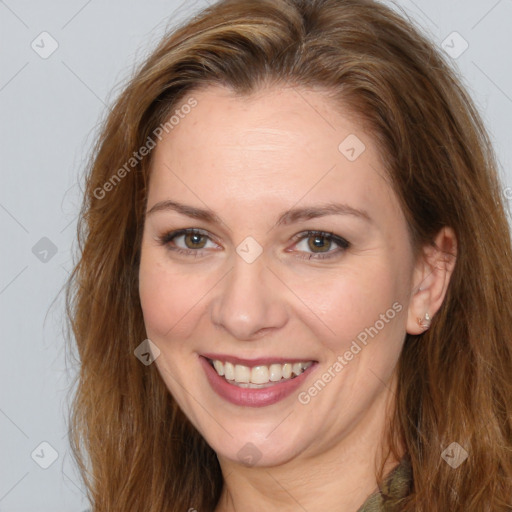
(395, 487)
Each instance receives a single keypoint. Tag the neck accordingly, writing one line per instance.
(339, 478)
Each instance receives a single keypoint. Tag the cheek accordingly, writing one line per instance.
(353, 302)
(167, 298)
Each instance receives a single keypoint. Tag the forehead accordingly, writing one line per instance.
(280, 145)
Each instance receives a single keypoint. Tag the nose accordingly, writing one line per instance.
(249, 301)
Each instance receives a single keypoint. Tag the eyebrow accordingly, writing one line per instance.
(288, 217)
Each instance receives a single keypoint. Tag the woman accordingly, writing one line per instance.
(294, 286)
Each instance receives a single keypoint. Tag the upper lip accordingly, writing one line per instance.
(259, 361)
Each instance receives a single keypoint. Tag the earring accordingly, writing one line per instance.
(425, 321)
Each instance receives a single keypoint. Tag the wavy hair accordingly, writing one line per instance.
(135, 448)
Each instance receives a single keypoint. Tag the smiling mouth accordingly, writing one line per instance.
(258, 376)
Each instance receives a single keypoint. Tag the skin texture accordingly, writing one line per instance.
(249, 160)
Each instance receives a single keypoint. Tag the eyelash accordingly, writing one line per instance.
(167, 238)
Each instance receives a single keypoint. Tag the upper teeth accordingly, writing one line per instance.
(259, 374)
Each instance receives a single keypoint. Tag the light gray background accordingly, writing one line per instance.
(49, 110)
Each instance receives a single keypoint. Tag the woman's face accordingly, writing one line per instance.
(252, 290)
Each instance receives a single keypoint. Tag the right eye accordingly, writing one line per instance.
(193, 241)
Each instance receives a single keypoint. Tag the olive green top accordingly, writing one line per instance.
(396, 485)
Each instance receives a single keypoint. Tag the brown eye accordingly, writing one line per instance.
(193, 240)
(187, 241)
(318, 245)
(319, 242)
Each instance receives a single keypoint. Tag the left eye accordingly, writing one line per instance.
(313, 240)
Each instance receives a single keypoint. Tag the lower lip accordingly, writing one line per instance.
(252, 397)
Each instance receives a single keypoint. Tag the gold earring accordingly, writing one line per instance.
(425, 321)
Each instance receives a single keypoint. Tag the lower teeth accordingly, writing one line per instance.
(256, 386)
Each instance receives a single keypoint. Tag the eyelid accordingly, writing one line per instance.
(325, 234)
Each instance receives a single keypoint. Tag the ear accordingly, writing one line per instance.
(431, 277)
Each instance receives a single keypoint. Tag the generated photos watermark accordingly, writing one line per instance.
(304, 397)
(146, 148)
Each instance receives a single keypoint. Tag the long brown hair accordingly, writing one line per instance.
(135, 448)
